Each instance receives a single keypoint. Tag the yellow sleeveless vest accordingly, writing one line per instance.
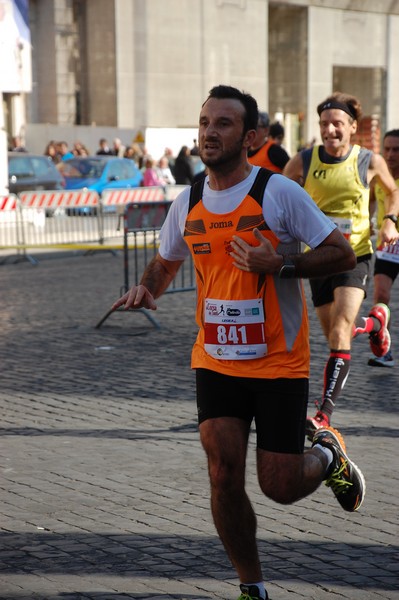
(380, 197)
(238, 312)
(338, 191)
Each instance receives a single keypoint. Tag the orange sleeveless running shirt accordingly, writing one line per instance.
(250, 324)
(261, 158)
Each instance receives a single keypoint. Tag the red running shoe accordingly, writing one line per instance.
(380, 341)
(314, 423)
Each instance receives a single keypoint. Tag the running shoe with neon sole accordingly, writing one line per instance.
(315, 423)
(250, 592)
(380, 341)
(383, 361)
(344, 477)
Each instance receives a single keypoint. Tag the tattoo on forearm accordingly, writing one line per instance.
(156, 278)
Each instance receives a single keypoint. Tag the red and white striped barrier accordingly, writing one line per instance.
(8, 202)
(58, 199)
(126, 196)
(9, 220)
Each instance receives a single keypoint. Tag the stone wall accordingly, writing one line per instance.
(150, 63)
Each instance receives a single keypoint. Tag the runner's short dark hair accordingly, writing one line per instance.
(248, 101)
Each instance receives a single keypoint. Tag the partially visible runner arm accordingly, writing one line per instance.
(156, 278)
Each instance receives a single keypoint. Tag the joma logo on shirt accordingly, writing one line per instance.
(221, 224)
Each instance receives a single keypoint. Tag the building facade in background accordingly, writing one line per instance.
(124, 66)
(15, 75)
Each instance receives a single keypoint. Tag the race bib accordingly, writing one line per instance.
(389, 253)
(234, 329)
(344, 226)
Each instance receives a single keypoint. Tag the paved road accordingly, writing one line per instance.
(104, 490)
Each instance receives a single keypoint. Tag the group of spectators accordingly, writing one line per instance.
(59, 151)
(183, 169)
(168, 170)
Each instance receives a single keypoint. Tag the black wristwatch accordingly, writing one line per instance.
(393, 218)
(288, 270)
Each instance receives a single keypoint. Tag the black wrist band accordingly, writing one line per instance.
(288, 269)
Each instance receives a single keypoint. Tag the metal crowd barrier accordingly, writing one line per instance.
(53, 219)
(78, 220)
(142, 222)
(81, 220)
(113, 203)
(11, 227)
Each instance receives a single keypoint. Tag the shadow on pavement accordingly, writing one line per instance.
(171, 556)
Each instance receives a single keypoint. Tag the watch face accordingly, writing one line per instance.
(287, 272)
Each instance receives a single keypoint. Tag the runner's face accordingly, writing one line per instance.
(336, 131)
(391, 154)
(221, 133)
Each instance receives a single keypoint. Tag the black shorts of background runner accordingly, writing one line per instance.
(386, 267)
(269, 402)
(323, 287)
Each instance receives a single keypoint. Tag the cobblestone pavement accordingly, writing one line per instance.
(104, 488)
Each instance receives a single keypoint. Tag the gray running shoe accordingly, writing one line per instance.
(383, 361)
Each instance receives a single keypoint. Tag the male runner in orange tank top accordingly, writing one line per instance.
(243, 227)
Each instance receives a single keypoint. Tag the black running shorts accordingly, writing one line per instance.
(323, 287)
(386, 267)
(278, 407)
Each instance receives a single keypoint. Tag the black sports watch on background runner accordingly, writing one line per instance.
(393, 218)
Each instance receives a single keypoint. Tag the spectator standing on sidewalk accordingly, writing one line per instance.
(64, 151)
(337, 176)
(118, 149)
(195, 149)
(51, 152)
(79, 149)
(265, 152)
(165, 172)
(386, 266)
(183, 168)
(168, 153)
(152, 175)
(17, 145)
(243, 227)
(103, 148)
(135, 153)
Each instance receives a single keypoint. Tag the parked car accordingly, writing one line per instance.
(99, 173)
(32, 172)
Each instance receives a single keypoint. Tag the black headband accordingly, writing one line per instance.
(340, 105)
